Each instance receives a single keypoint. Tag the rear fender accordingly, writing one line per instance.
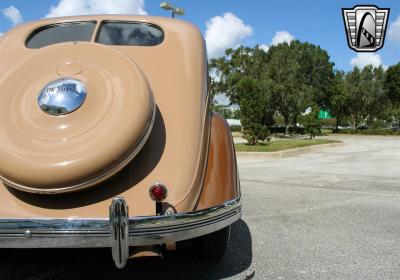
(221, 182)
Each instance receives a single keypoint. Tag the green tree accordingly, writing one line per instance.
(374, 95)
(395, 117)
(339, 103)
(241, 77)
(252, 110)
(356, 95)
(366, 94)
(283, 73)
(286, 79)
(316, 71)
(227, 71)
(312, 124)
(236, 114)
(392, 92)
(392, 84)
(300, 74)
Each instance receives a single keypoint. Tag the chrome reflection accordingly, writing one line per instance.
(145, 230)
(62, 97)
(119, 232)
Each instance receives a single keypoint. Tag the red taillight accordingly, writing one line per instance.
(158, 192)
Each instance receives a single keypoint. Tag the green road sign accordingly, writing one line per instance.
(324, 115)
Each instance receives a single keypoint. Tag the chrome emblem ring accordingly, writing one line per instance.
(62, 96)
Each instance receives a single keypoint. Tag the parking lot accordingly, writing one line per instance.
(331, 213)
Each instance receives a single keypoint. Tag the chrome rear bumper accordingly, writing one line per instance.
(119, 232)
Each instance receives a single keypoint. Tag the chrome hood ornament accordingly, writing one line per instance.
(62, 96)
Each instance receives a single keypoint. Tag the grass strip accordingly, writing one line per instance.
(280, 145)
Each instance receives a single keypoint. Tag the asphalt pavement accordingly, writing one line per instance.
(332, 213)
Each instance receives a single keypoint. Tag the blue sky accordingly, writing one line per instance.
(247, 22)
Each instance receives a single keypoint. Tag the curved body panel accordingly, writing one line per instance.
(186, 148)
(175, 152)
(221, 182)
(44, 153)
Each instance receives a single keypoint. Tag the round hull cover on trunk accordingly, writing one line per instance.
(71, 116)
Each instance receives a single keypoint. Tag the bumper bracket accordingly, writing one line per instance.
(119, 226)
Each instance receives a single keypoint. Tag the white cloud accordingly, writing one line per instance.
(394, 30)
(1, 34)
(281, 37)
(264, 47)
(225, 32)
(13, 14)
(364, 59)
(89, 7)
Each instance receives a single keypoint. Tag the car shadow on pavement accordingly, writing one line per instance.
(97, 263)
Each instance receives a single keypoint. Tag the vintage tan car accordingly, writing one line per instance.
(107, 138)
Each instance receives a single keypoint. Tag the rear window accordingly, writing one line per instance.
(60, 33)
(129, 34)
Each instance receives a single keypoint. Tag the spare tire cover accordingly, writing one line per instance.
(45, 153)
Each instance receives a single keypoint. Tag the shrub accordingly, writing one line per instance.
(312, 124)
(254, 132)
(379, 131)
(282, 129)
(236, 128)
(279, 120)
(328, 122)
(378, 124)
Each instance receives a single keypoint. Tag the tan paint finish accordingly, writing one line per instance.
(220, 184)
(53, 153)
(175, 153)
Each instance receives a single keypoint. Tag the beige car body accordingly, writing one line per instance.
(189, 149)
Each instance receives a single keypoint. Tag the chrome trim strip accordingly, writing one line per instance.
(85, 233)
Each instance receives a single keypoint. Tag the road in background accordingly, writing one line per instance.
(329, 214)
